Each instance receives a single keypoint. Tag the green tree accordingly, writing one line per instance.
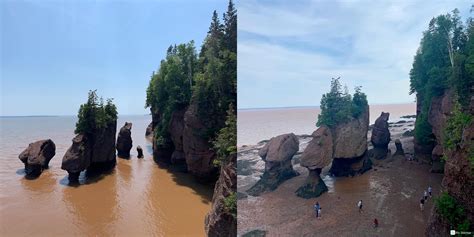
(452, 212)
(226, 140)
(339, 107)
(94, 115)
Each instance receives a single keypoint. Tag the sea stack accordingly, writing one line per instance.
(277, 154)
(140, 152)
(350, 146)
(380, 137)
(316, 156)
(93, 147)
(36, 157)
(124, 141)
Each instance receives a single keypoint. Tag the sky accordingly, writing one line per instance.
(54, 52)
(288, 51)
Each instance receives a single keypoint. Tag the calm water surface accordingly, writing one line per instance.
(255, 125)
(138, 198)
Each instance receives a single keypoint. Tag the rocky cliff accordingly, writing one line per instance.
(221, 221)
(458, 180)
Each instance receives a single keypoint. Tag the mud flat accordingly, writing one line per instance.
(390, 191)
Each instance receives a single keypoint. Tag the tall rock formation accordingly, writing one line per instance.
(316, 156)
(196, 147)
(94, 152)
(124, 141)
(380, 137)
(350, 146)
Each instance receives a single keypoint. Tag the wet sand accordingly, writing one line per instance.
(390, 192)
(137, 199)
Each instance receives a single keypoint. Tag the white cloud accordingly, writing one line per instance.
(299, 47)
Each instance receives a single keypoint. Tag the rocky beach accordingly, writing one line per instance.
(390, 191)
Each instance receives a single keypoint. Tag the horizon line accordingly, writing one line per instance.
(314, 106)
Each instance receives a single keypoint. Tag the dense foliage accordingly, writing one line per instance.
(207, 80)
(171, 87)
(452, 212)
(444, 60)
(339, 107)
(230, 204)
(95, 115)
(226, 141)
(455, 126)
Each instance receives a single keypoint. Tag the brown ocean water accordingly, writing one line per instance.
(254, 125)
(137, 199)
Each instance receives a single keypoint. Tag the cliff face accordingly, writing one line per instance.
(458, 180)
(197, 149)
(438, 115)
(219, 222)
(186, 145)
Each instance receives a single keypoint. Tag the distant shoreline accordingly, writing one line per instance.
(311, 106)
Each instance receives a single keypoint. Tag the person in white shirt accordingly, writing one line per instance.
(359, 204)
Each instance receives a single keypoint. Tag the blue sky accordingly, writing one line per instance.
(54, 52)
(288, 51)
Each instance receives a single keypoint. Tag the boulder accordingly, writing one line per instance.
(220, 221)
(197, 148)
(277, 154)
(124, 141)
(317, 155)
(399, 147)
(140, 152)
(380, 134)
(36, 157)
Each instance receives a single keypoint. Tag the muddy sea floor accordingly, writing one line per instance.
(390, 191)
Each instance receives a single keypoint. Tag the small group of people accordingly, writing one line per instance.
(425, 197)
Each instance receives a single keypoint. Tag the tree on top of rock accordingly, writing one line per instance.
(94, 114)
(339, 107)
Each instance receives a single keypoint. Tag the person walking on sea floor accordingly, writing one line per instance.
(316, 208)
(359, 204)
(430, 190)
(422, 203)
(376, 223)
